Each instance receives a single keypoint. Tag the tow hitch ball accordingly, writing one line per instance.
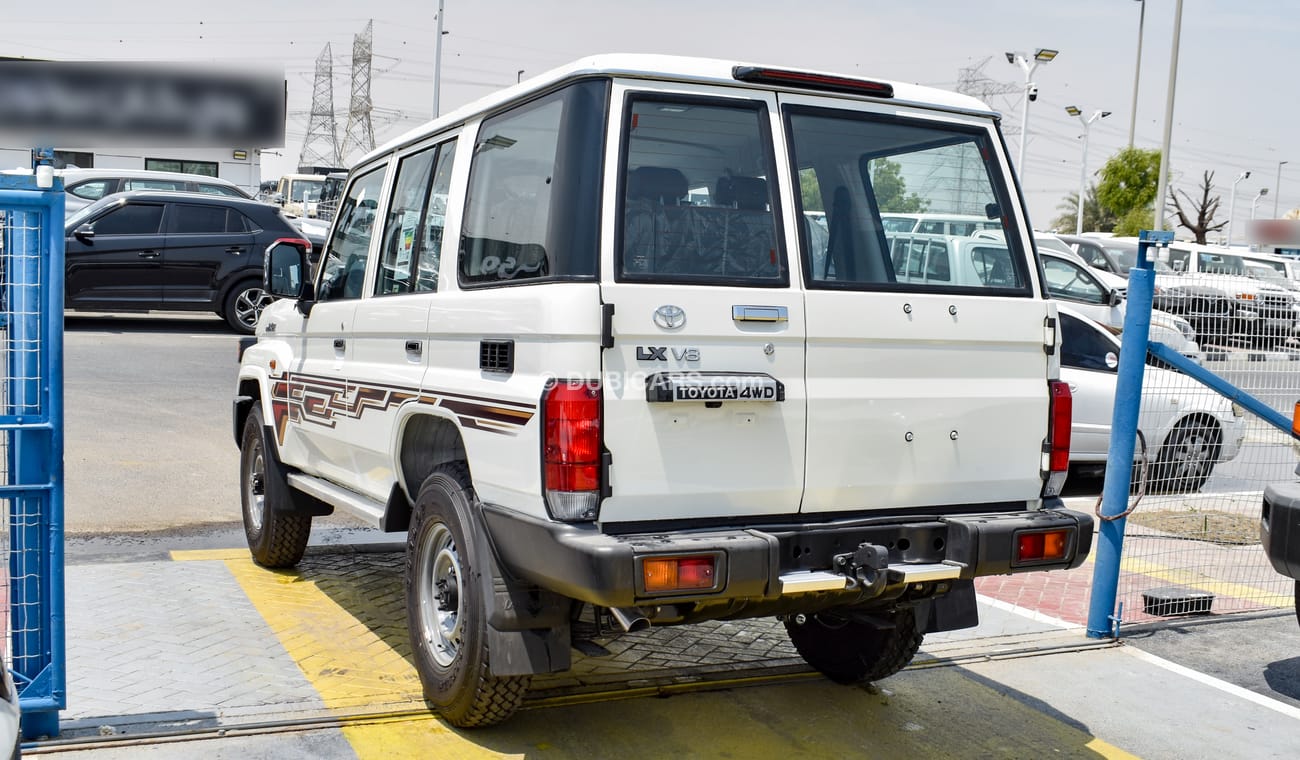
(868, 566)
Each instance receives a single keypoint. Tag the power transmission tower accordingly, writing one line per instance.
(974, 82)
(360, 133)
(321, 145)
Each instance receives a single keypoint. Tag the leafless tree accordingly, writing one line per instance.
(1204, 209)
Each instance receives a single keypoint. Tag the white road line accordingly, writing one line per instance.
(1033, 615)
(1215, 683)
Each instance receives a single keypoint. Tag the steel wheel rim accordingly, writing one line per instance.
(249, 304)
(255, 487)
(440, 591)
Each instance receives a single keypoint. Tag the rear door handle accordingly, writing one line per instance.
(148, 254)
(340, 344)
(414, 347)
(235, 249)
(760, 314)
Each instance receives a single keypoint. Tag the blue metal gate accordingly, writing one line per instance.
(31, 419)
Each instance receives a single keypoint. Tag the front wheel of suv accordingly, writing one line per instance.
(244, 305)
(277, 534)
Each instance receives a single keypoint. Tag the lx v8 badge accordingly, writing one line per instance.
(660, 354)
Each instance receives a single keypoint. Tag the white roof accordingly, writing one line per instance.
(668, 67)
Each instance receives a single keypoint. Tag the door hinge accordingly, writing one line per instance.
(607, 325)
(1050, 338)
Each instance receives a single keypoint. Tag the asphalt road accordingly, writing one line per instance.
(149, 446)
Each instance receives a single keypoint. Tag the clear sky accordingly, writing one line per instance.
(1237, 104)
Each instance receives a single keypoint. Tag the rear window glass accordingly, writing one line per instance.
(876, 178)
(698, 200)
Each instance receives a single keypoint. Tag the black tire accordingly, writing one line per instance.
(277, 535)
(244, 304)
(1188, 456)
(445, 611)
(848, 651)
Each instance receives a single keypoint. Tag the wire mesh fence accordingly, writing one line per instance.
(31, 446)
(1192, 541)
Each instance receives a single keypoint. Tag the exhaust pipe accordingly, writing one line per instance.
(630, 619)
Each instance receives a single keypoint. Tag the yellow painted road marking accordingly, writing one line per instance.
(198, 555)
(1202, 582)
(932, 713)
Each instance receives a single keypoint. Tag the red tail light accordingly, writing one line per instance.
(1057, 446)
(572, 449)
(303, 243)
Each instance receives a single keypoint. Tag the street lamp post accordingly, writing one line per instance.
(1232, 206)
(1041, 55)
(1137, 73)
(1277, 186)
(437, 63)
(1083, 167)
(1262, 192)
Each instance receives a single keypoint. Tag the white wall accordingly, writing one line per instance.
(246, 173)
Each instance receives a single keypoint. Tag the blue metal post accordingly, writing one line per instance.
(1123, 436)
(32, 421)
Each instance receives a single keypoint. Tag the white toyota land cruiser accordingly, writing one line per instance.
(580, 341)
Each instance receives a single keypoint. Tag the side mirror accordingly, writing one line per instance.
(85, 233)
(1115, 299)
(284, 271)
(277, 198)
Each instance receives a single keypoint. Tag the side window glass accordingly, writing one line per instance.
(197, 220)
(412, 239)
(152, 184)
(93, 190)
(937, 266)
(237, 222)
(1084, 347)
(132, 219)
(698, 197)
(343, 265)
(1069, 281)
(509, 205)
(932, 228)
(219, 190)
(429, 259)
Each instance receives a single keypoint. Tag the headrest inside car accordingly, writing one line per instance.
(658, 183)
(742, 192)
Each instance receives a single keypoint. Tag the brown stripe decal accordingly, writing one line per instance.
(324, 401)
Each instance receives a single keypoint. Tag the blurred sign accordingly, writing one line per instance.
(135, 104)
(1282, 233)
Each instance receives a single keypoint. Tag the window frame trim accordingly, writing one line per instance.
(437, 145)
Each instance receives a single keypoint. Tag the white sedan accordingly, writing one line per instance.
(1188, 428)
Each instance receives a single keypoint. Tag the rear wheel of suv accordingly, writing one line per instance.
(244, 305)
(277, 537)
(445, 608)
(851, 651)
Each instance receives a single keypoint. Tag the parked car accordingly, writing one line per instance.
(1187, 427)
(85, 186)
(938, 224)
(147, 250)
(1243, 307)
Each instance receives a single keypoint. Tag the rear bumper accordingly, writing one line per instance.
(1279, 527)
(769, 562)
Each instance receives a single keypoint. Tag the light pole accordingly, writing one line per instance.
(1277, 186)
(1137, 73)
(1262, 192)
(1162, 188)
(1083, 167)
(437, 62)
(1232, 206)
(1041, 55)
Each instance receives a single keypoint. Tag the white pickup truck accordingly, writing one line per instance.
(579, 341)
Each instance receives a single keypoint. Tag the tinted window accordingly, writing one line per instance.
(92, 190)
(413, 232)
(1086, 347)
(187, 219)
(132, 219)
(875, 172)
(534, 190)
(343, 267)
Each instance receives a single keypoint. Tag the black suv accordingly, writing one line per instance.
(173, 251)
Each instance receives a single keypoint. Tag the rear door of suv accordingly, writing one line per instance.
(920, 393)
(704, 377)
